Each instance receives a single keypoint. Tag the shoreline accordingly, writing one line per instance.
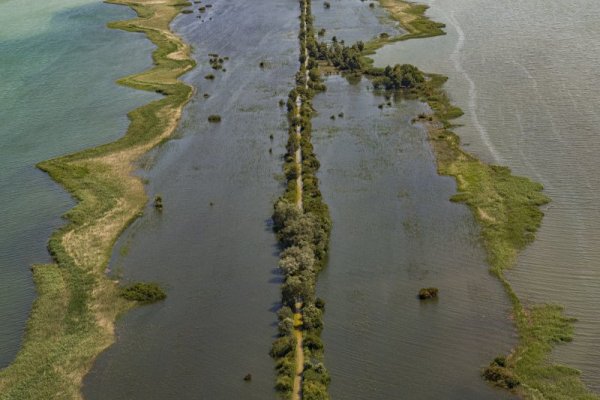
(507, 209)
(72, 319)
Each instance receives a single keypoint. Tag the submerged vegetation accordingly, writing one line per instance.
(72, 319)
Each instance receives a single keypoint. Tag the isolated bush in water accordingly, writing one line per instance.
(143, 292)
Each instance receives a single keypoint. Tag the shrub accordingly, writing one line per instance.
(500, 376)
(284, 384)
(214, 118)
(282, 346)
(312, 342)
(314, 391)
(312, 317)
(428, 293)
(320, 303)
(158, 203)
(285, 326)
(143, 292)
(210, 77)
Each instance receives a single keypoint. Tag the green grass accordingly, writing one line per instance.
(411, 17)
(73, 316)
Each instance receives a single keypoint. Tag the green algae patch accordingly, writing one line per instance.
(72, 319)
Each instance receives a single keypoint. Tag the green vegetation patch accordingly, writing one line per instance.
(143, 292)
(72, 318)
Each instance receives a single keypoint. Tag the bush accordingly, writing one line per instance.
(283, 346)
(312, 342)
(285, 366)
(285, 327)
(500, 376)
(143, 292)
(210, 77)
(312, 317)
(428, 293)
(320, 304)
(314, 391)
(403, 76)
(284, 384)
(158, 203)
(214, 118)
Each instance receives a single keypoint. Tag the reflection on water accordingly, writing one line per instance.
(526, 75)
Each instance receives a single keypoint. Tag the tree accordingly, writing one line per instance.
(312, 317)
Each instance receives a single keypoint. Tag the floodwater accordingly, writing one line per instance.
(395, 232)
(526, 74)
(58, 64)
(212, 246)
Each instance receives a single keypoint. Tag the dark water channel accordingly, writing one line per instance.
(211, 247)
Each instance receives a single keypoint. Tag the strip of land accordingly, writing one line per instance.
(507, 208)
(302, 222)
(72, 319)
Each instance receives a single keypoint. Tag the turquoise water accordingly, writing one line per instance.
(58, 64)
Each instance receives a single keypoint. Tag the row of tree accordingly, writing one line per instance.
(303, 235)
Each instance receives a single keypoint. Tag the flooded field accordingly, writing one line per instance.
(526, 75)
(212, 246)
(395, 232)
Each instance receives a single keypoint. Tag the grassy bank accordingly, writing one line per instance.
(302, 223)
(73, 317)
(411, 16)
(507, 208)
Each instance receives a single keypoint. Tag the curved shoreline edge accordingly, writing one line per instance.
(507, 209)
(72, 319)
